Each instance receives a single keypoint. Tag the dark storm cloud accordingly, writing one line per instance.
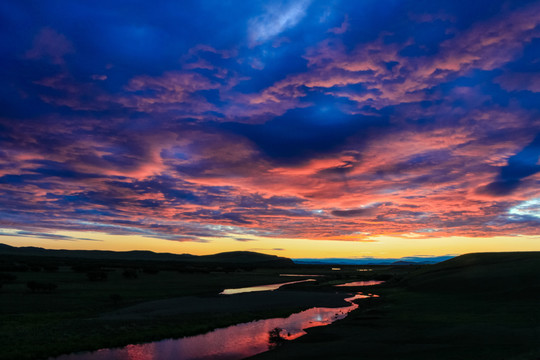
(353, 213)
(520, 166)
(300, 135)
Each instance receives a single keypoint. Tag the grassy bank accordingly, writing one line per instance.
(479, 306)
(39, 324)
(86, 311)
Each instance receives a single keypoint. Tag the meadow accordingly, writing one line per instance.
(476, 306)
(88, 304)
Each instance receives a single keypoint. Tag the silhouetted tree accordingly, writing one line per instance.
(274, 337)
(35, 268)
(32, 285)
(50, 267)
(7, 278)
(130, 274)
(36, 286)
(97, 275)
(116, 298)
(151, 270)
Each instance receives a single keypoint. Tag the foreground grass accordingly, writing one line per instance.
(476, 307)
(61, 336)
(38, 325)
(473, 307)
(77, 315)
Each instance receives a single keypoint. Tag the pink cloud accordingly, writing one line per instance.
(48, 43)
(342, 28)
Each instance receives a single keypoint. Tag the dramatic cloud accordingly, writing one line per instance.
(198, 121)
(520, 166)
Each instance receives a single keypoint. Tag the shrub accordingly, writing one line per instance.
(97, 275)
(50, 267)
(130, 274)
(36, 286)
(116, 298)
(274, 337)
(7, 278)
(151, 270)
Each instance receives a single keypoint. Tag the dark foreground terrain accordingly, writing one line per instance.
(53, 302)
(476, 306)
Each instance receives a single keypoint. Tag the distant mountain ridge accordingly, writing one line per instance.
(233, 257)
(411, 260)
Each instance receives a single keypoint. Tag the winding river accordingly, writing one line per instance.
(361, 283)
(230, 343)
(270, 287)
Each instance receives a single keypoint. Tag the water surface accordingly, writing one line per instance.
(230, 343)
(362, 283)
(270, 287)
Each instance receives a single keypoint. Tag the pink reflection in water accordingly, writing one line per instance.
(362, 283)
(231, 343)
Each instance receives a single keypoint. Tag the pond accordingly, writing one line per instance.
(269, 287)
(230, 343)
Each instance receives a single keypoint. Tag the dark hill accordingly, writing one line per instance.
(92, 254)
(403, 263)
(226, 258)
(244, 257)
(517, 273)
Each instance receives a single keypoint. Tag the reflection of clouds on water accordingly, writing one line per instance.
(234, 342)
(361, 283)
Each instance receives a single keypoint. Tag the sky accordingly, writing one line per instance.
(297, 128)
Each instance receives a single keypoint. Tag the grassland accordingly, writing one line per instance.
(139, 301)
(477, 306)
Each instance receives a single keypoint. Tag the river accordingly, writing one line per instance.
(230, 343)
(270, 287)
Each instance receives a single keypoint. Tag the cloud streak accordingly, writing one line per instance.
(277, 18)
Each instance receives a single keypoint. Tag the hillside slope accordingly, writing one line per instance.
(516, 272)
(476, 306)
(234, 257)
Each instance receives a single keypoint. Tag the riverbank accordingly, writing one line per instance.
(235, 342)
(170, 318)
(413, 325)
(475, 307)
(83, 314)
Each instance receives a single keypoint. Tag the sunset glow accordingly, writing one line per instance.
(296, 128)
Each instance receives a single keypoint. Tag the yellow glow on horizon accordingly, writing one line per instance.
(378, 247)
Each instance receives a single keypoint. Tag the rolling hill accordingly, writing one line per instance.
(515, 272)
(226, 258)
